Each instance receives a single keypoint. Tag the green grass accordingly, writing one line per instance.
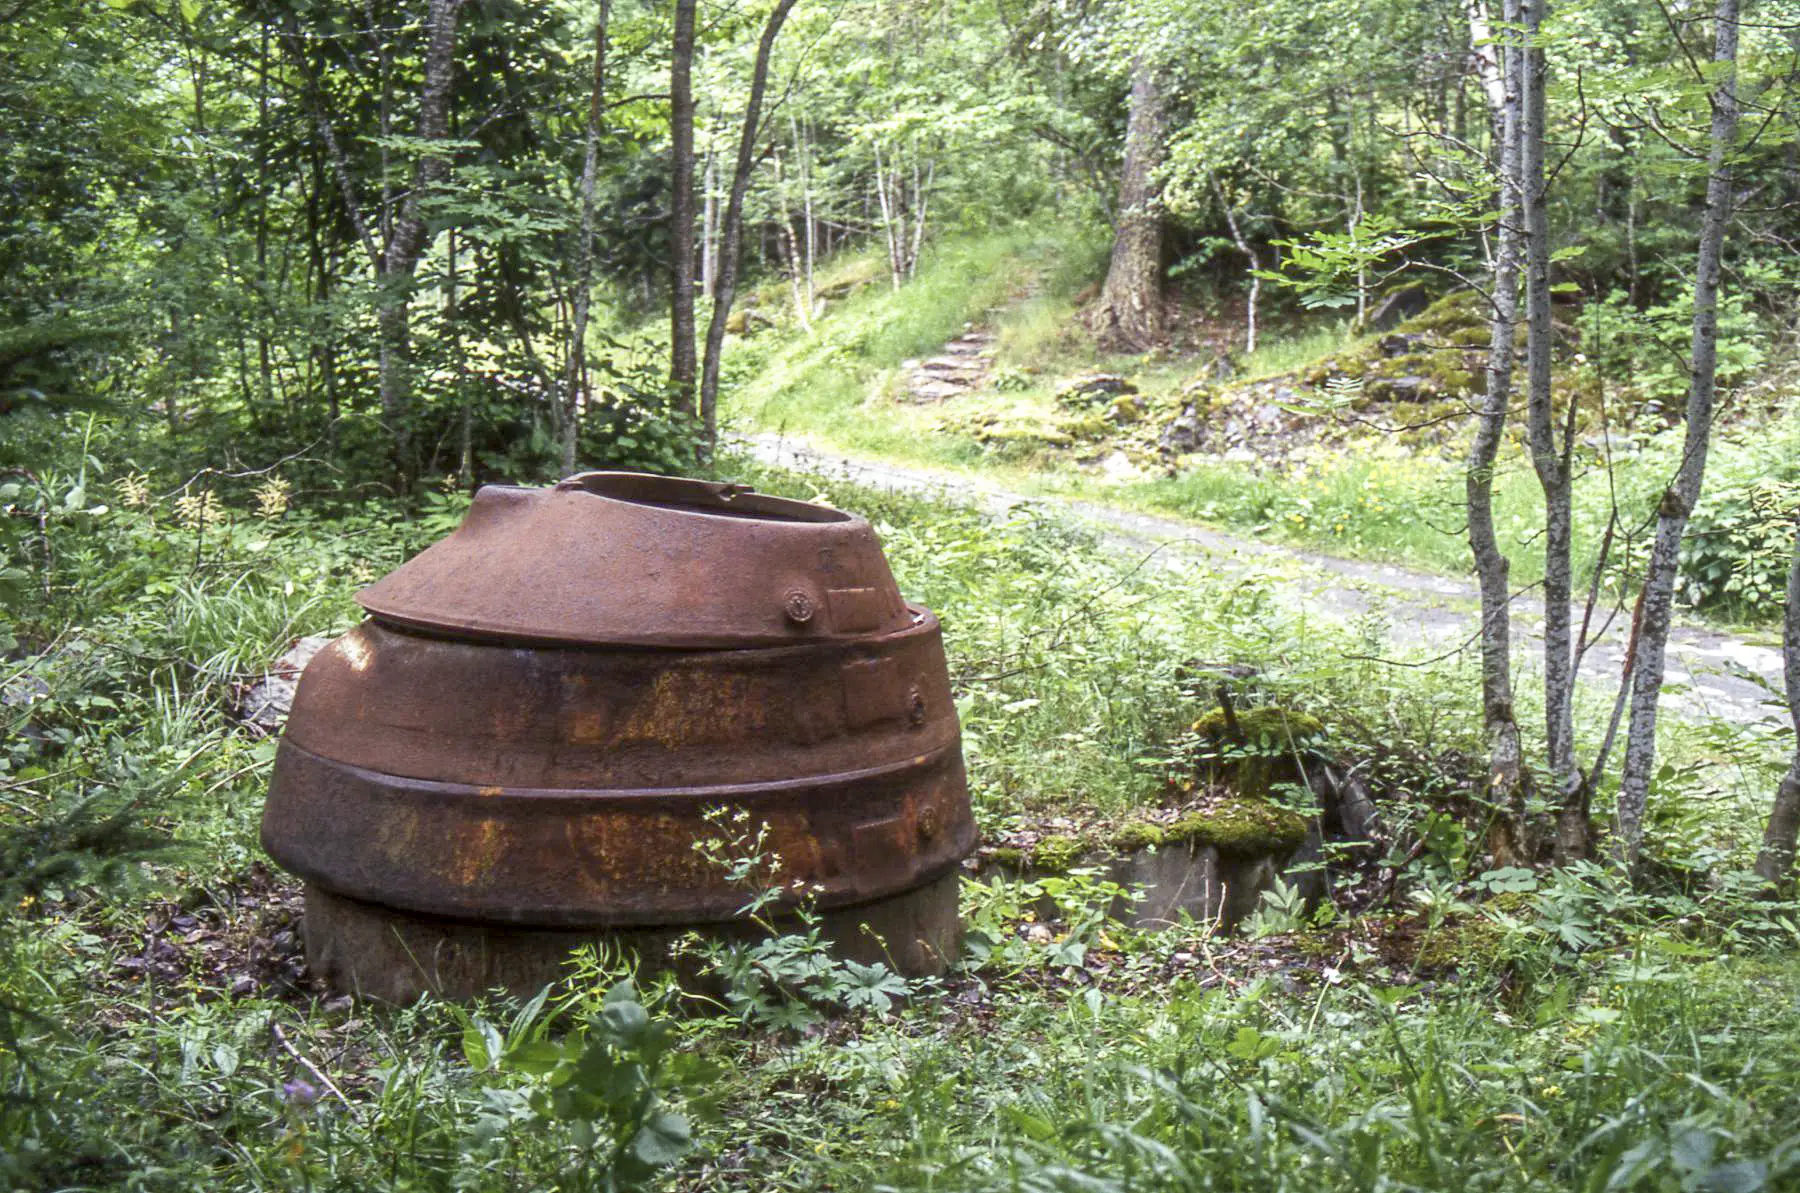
(1572, 1035)
(1286, 352)
(835, 384)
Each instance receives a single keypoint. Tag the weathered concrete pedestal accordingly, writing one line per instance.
(1192, 880)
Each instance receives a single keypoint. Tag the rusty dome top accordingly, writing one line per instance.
(630, 559)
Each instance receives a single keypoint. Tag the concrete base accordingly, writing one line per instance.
(373, 951)
(1192, 880)
(1207, 885)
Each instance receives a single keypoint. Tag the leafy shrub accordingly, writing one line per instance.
(1738, 548)
(1648, 349)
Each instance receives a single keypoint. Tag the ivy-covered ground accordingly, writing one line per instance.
(1433, 1025)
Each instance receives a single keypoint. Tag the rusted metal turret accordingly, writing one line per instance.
(519, 748)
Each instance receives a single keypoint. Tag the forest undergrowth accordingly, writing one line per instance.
(1437, 1025)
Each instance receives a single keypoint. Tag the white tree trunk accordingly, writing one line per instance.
(1549, 451)
(1492, 568)
(1680, 497)
(709, 227)
(888, 217)
(1243, 246)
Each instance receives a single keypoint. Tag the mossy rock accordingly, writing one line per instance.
(1241, 827)
(1126, 409)
(1092, 389)
(1449, 337)
(1006, 434)
(1085, 426)
(1434, 372)
(1016, 434)
(1137, 834)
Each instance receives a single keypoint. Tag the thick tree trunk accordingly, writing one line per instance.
(1679, 499)
(1506, 772)
(731, 230)
(584, 250)
(682, 357)
(1129, 315)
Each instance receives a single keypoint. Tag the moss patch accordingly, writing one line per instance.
(1242, 828)
(1267, 749)
(1137, 834)
(1471, 940)
(1056, 854)
(1452, 313)
(1281, 729)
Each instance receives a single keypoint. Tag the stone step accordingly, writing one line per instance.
(936, 391)
(953, 364)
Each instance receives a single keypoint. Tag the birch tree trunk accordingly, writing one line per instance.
(1549, 451)
(1506, 786)
(709, 226)
(889, 218)
(1679, 499)
(803, 147)
(790, 250)
(1243, 246)
(682, 359)
(921, 202)
(584, 250)
(1129, 315)
(731, 231)
(1776, 859)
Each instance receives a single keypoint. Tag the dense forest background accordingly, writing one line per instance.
(371, 234)
(1466, 328)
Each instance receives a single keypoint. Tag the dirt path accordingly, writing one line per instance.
(1711, 673)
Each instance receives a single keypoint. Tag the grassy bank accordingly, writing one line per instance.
(836, 383)
(1406, 507)
(1377, 496)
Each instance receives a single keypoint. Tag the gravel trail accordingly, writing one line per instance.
(1713, 673)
